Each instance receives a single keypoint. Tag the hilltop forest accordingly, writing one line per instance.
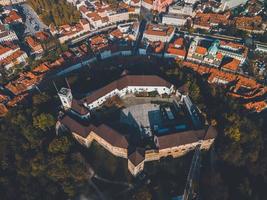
(58, 12)
(37, 164)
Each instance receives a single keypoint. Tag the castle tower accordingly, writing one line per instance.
(65, 96)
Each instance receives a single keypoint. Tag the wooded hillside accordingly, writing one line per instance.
(58, 12)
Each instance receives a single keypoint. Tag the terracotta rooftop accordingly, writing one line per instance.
(117, 34)
(13, 102)
(41, 69)
(12, 58)
(4, 49)
(41, 35)
(12, 17)
(179, 42)
(207, 19)
(3, 98)
(249, 23)
(201, 50)
(3, 110)
(256, 106)
(172, 50)
(152, 29)
(232, 65)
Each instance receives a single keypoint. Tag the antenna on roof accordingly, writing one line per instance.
(55, 86)
(67, 82)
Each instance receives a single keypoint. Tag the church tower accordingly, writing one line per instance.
(65, 96)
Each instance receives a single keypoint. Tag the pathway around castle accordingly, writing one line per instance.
(192, 182)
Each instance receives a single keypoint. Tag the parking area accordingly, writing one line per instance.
(32, 21)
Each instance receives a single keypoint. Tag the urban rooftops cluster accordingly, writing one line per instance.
(107, 30)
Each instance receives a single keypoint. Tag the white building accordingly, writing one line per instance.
(115, 17)
(261, 48)
(230, 4)
(148, 4)
(72, 32)
(174, 19)
(178, 9)
(125, 85)
(234, 50)
(6, 34)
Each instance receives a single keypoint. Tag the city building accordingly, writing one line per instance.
(36, 47)
(11, 55)
(68, 32)
(196, 53)
(174, 19)
(176, 49)
(155, 32)
(234, 50)
(12, 17)
(182, 9)
(250, 24)
(6, 34)
(261, 48)
(208, 20)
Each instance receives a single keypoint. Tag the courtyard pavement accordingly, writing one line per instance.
(33, 23)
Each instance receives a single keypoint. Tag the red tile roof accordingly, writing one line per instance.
(201, 50)
(233, 65)
(3, 110)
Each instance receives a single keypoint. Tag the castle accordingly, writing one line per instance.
(162, 125)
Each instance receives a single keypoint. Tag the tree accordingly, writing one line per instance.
(143, 194)
(245, 189)
(44, 121)
(58, 12)
(60, 145)
(40, 99)
(233, 132)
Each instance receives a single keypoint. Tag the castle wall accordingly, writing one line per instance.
(116, 151)
(150, 155)
(135, 169)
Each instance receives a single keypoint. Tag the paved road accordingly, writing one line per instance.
(33, 23)
(147, 14)
(140, 36)
(189, 192)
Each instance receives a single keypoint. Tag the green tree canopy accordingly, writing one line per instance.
(58, 12)
(44, 121)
